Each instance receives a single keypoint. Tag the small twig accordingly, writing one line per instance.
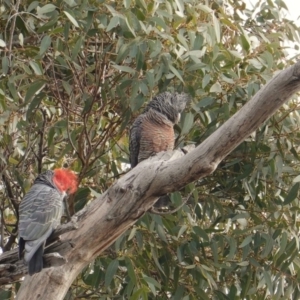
(85, 127)
(41, 142)
(76, 75)
(10, 193)
(11, 240)
(104, 139)
(29, 143)
(2, 229)
(156, 212)
(66, 110)
(80, 151)
(69, 137)
(12, 29)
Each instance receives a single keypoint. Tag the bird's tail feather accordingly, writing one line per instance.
(35, 264)
(21, 247)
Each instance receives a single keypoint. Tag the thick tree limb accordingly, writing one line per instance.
(104, 220)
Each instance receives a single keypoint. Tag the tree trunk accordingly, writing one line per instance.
(105, 219)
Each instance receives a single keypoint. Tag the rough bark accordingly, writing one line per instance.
(106, 218)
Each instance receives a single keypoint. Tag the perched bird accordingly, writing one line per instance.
(152, 131)
(40, 213)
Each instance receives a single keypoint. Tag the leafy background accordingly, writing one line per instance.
(76, 73)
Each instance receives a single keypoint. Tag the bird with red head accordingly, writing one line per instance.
(40, 212)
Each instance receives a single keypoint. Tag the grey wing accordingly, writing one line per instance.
(39, 213)
(134, 141)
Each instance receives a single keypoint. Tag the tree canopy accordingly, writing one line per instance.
(74, 76)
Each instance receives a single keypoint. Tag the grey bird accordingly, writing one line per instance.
(152, 131)
(40, 212)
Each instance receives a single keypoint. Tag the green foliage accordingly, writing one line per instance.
(73, 78)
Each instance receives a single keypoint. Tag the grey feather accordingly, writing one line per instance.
(169, 105)
(39, 214)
